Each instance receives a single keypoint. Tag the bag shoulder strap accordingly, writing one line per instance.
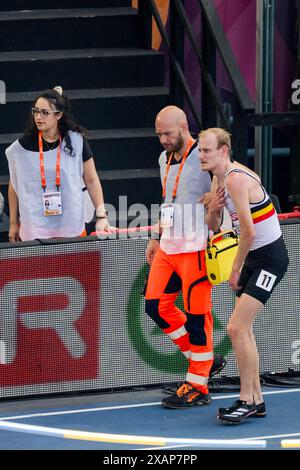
(223, 234)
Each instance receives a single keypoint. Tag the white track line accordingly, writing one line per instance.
(275, 436)
(131, 439)
(83, 410)
(120, 407)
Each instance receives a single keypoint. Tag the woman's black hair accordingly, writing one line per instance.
(65, 123)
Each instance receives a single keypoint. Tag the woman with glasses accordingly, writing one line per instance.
(47, 165)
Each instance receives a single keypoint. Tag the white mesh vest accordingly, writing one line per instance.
(24, 168)
(189, 232)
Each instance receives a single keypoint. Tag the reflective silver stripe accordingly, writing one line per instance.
(196, 379)
(207, 356)
(178, 333)
(238, 412)
(187, 354)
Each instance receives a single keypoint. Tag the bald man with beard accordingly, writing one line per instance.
(177, 261)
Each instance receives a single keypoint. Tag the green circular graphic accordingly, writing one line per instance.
(172, 362)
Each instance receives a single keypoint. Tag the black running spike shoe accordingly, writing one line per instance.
(237, 413)
(218, 364)
(261, 411)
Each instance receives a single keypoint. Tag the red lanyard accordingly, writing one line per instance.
(187, 151)
(42, 166)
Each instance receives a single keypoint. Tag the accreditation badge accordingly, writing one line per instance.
(166, 215)
(52, 203)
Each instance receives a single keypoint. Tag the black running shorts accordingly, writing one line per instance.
(263, 269)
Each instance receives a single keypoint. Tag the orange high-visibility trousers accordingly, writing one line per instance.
(192, 329)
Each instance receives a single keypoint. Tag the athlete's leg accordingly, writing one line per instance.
(240, 330)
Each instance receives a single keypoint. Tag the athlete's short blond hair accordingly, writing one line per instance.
(223, 137)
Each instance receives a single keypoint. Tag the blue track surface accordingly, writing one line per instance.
(282, 420)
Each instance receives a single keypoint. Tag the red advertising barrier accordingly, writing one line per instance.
(49, 320)
(130, 230)
(289, 215)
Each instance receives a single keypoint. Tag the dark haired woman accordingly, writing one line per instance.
(47, 165)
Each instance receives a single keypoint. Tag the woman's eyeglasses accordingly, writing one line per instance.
(43, 112)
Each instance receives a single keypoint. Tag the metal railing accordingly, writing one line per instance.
(212, 111)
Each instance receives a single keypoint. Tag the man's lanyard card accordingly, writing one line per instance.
(52, 203)
(166, 215)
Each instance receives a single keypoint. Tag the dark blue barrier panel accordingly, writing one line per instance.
(72, 318)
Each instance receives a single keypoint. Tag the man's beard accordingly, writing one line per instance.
(178, 144)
